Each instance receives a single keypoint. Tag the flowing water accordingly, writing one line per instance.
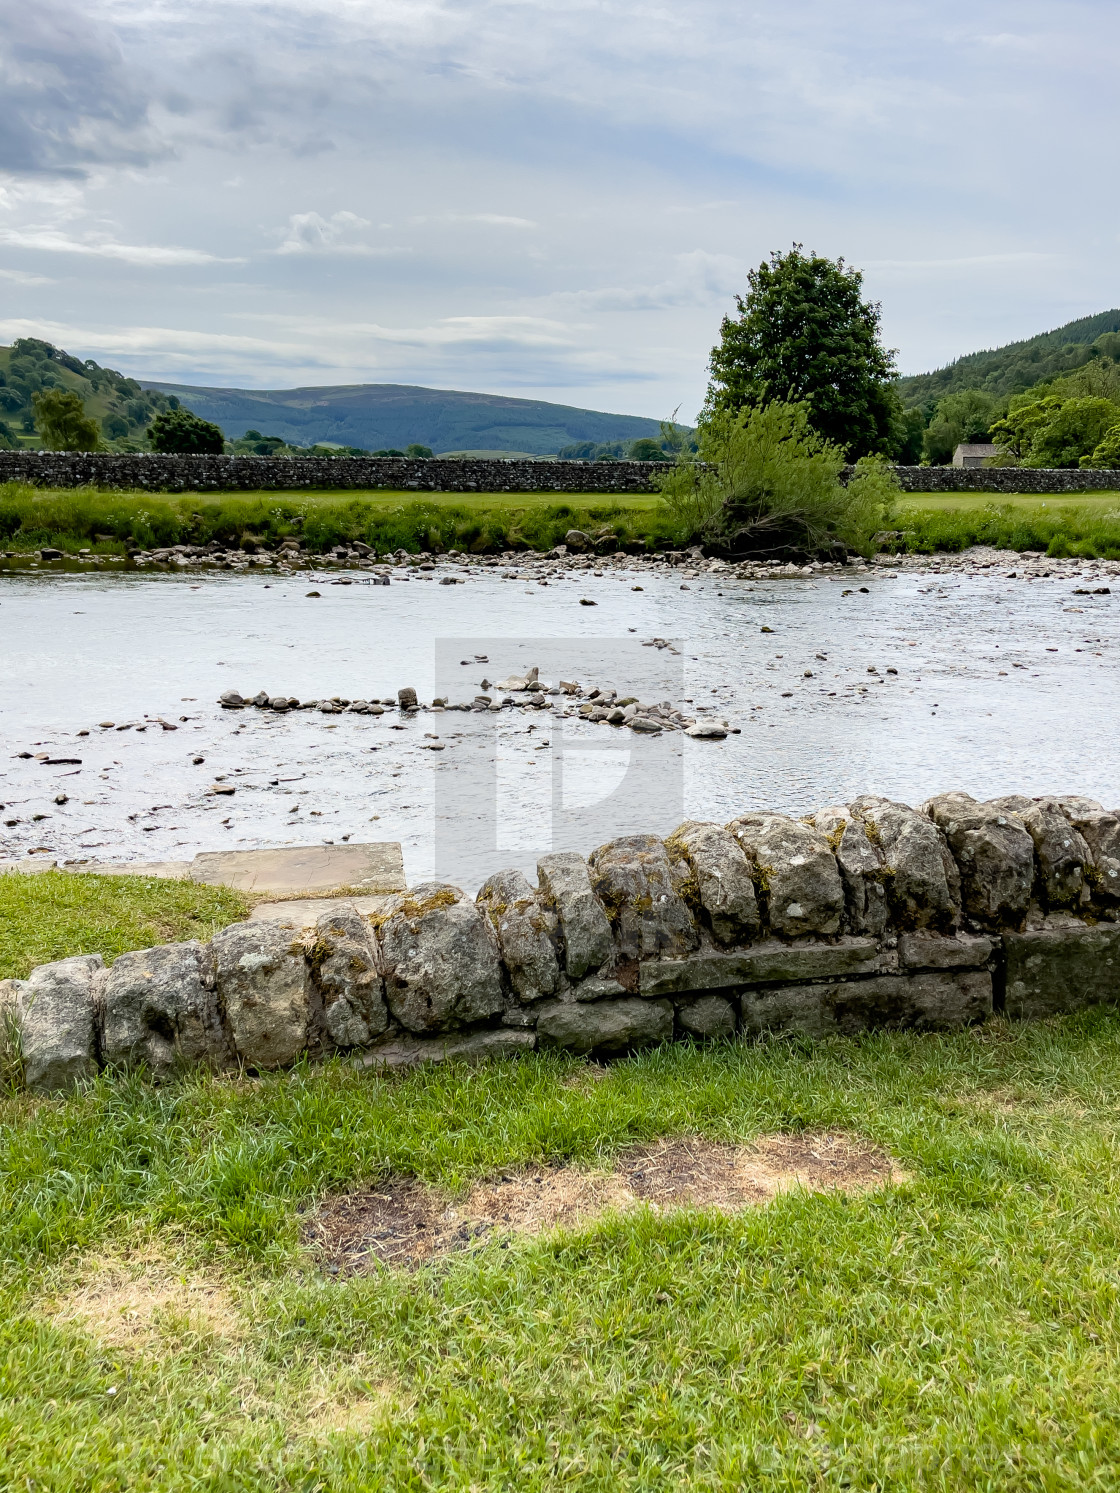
(1001, 686)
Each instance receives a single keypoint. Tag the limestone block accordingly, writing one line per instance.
(604, 1027)
(631, 878)
(708, 1017)
(527, 932)
(584, 929)
(994, 855)
(793, 864)
(1061, 968)
(764, 964)
(463, 1047)
(57, 1030)
(1062, 853)
(159, 1009)
(264, 989)
(861, 870)
(935, 1000)
(600, 987)
(933, 951)
(344, 967)
(1101, 832)
(440, 958)
(718, 877)
(923, 885)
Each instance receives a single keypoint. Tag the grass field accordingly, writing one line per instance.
(163, 1327)
(107, 522)
(54, 914)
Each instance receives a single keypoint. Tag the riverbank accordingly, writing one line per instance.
(91, 523)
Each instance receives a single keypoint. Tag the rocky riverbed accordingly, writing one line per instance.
(985, 670)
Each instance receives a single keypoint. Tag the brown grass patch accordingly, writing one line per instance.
(356, 1413)
(125, 1307)
(405, 1222)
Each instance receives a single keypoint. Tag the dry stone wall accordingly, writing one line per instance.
(294, 473)
(865, 915)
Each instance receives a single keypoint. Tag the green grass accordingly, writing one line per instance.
(959, 1331)
(53, 914)
(1058, 526)
(106, 521)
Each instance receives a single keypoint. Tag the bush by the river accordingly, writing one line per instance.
(763, 481)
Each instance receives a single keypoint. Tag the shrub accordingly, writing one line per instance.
(762, 479)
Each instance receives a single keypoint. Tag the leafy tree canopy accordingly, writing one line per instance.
(804, 334)
(179, 432)
(62, 422)
(1055, 431)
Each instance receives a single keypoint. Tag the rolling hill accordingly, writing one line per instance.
(376, 416)
(1002, 371)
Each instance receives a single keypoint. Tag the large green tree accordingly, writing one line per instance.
(181, 432)
(62, 422)
(804, 333)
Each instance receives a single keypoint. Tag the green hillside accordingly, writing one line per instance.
(379, 416)
(124, 409)
(1003, 371)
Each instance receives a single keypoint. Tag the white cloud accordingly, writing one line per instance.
(310, 233)
(21, 277)
(55, 241)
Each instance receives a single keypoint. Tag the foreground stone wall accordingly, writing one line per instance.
(293, 473)
(867, 915)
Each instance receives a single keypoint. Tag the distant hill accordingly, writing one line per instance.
(1002, 371)
(379, 416)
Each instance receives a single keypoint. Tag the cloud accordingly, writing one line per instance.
(21, 277)
(70, 102)
(699, 279)
(56, 241)
(310, 233)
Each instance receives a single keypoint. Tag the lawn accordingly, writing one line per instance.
(53, 914)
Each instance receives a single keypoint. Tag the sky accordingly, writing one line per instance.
(553, 199)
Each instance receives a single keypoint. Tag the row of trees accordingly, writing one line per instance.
(63, 425)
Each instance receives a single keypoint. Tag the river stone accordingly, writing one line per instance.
(527, 932)
(1101, 832)
(795, 867)
(709, 1017)
(604, 1027)
(716, 879)
(994, 854)
(861, 870)
(58, 1035)
(1062, 853)
(923, 884)
(631, 878)
(440, 957)
(584, 929)
(263, 987)
(159, 1010)
(344, 967)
